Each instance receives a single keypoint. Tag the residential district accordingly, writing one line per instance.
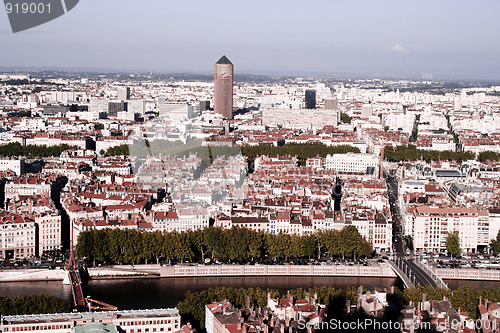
(412, 160)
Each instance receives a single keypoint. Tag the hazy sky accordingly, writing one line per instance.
(448, 39)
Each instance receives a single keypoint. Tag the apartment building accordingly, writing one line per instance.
(18, 236)
(431, 226)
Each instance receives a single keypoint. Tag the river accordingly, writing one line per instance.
(167, 292)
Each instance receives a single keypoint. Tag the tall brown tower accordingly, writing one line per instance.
(223, 87)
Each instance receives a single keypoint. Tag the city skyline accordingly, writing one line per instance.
(445, 40)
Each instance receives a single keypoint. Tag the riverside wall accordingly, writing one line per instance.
(31, 275)
(379, 270)
(468, 274)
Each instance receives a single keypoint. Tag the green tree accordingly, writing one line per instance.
(198, 241)
(297, 246)
(346, 119)
(453, 244)
(309, 249)
(215, 242)
(331, 242)
(352, 244)
(255, 245)
(85, 246)
(182, 247)
(238, 243)
(485, 156)
(167, 248)
(495, 244)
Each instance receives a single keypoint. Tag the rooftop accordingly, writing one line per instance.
(224, 61)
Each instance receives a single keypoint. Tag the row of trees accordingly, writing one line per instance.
(192, 308)
(236, 244)
(33, 304)
(411, 153)
(302, 150)
(485, 156)
(15, 149)
(118, 150)
(172, 148)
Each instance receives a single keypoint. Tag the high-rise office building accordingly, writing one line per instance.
(366, 111)
(204, 105)
(123, 93)
(223, 87)
(331, 103)
(310, 99)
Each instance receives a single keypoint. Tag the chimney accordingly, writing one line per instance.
(248, 302)
(424, 297)
(480, 300)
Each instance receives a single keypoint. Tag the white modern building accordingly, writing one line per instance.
(353, 163)
(300, 118)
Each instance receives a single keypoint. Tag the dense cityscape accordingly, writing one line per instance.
(249, 166)
(142, 175)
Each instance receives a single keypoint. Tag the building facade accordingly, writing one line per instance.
(129, 321)
(431, 226)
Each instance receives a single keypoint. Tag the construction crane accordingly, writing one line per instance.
(100, 305)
